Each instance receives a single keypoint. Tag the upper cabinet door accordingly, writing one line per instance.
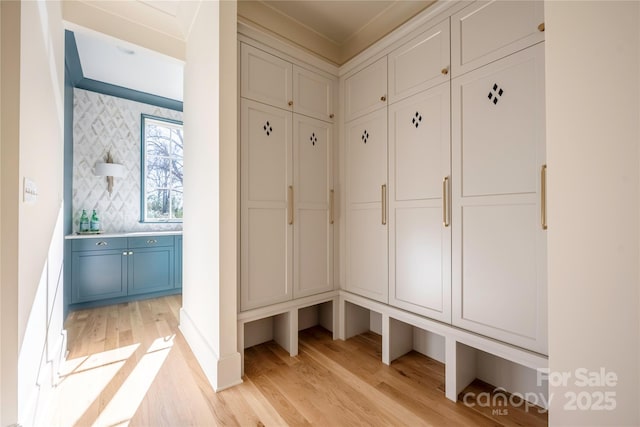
(265, 78)
(366, 91)
(489, 30)
(420, 63)
(313, 94)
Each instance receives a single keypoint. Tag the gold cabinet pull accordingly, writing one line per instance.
(541, 27)
(383, 98)
(445, 201)
(445, 71)
(330, 206)
(290, 197)
(384, 203)
(290, 103)
(543, 196)
(331, 116)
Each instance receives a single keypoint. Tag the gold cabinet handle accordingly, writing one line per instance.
(383, 98)
(445, 201)
(541, 27)
(543, 196)
(331, 116)
(384, 203)
(290, 103)
(290, 197)
(445, 71)
(330, 206)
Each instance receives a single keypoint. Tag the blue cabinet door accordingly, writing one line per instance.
(178, 283)
(150, 269)
(98, 275)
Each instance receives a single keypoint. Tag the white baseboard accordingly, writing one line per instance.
(221, 373)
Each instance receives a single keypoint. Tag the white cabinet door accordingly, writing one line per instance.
(499, 245)
(266, 235)
(313, 234)
(489, 30)
(313, 94)
(420, 63)
(366, 166)
(366, 91)
(265, 78)
(419, 236)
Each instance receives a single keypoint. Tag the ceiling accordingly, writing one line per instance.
(119, 63)
(335, 30)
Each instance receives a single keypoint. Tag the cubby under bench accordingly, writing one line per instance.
(466, 355)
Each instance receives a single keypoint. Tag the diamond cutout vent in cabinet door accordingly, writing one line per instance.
(495, 94)
(365, 136)
(313, 139)
(417, 119)
(267, 128)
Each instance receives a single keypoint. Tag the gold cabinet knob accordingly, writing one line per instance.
(383, 98)
(541, 27)
(290, 103)
(445, 71)
(331, 116)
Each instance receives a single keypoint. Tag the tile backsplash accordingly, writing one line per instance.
(103, 123)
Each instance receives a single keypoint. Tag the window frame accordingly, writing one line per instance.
(143, 169)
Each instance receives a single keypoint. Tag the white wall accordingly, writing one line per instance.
(32, 146)
(208, 316)
(105, 123)
(592, 85)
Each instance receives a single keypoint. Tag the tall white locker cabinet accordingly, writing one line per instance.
(366, 180)
(266, 235)
(419, 175)
(419, 214)
(286, 180)
(367, 260)
(499, 238)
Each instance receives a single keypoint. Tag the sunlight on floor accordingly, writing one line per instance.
(82, 381)
(127, 399)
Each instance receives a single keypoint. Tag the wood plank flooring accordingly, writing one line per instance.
(129, 364)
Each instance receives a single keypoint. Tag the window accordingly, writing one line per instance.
(161, 185)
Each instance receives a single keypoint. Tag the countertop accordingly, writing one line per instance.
(124, 234)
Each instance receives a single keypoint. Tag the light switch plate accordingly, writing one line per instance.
(29, 191)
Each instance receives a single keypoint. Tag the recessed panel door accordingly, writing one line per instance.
(499, 241)
(419, 230)
(313, 233)
(366, 150)
(266, 230)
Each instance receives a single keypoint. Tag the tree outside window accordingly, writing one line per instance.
(162, 152)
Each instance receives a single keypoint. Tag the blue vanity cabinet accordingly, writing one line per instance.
(178, 268)
(98, 269)
(151, 264)
(110, 270)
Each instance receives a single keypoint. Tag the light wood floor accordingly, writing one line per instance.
(128, 364)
